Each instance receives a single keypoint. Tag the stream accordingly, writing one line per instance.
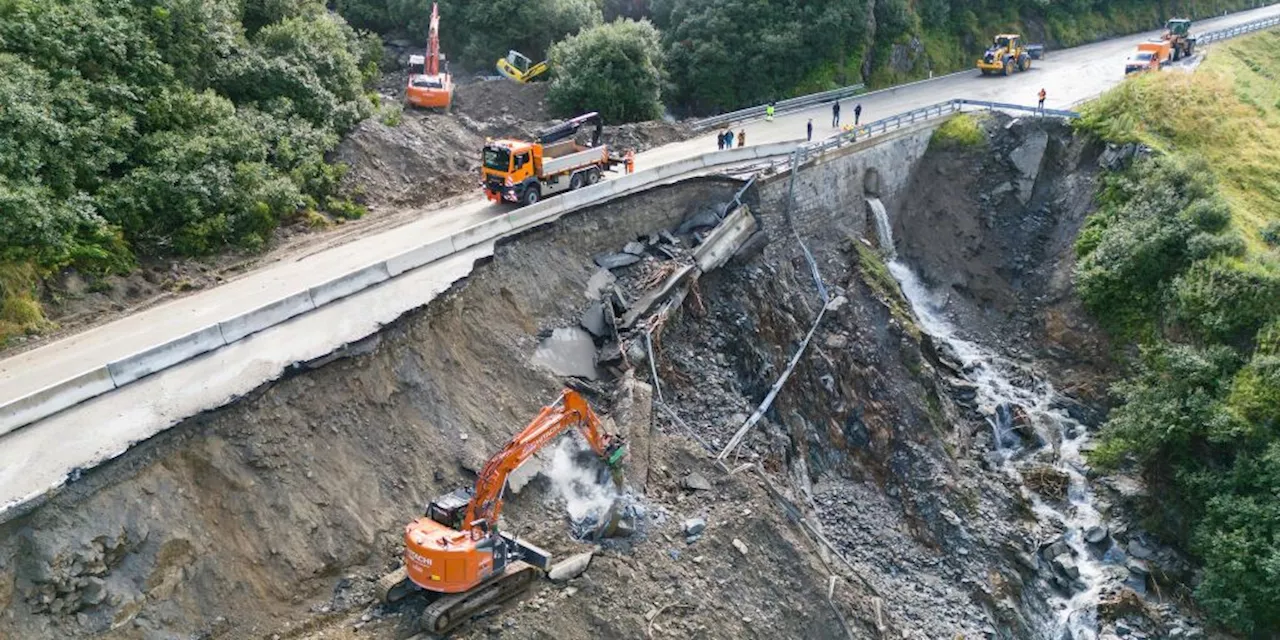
(1006, 389)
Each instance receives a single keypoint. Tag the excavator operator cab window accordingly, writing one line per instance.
(1002, 42)
(519, 61)
(450, 508)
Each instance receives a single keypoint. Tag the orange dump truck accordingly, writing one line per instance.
(1149, 56)
(524, 172)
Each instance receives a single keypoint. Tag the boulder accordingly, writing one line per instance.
(570, 567)
(696, 482)
(694, 526)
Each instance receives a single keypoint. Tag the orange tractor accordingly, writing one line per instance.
(456, 552)
(429, 87)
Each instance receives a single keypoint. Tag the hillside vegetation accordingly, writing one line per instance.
(133, 128)
(1183, 259)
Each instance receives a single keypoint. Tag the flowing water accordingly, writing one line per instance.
(1009, 393)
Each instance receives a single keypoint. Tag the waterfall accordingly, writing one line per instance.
(883, 230)
(1004, 385)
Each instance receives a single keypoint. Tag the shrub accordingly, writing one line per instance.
(614, 69)
(959, 132)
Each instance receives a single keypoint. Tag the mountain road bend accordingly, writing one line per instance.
(1068, 76)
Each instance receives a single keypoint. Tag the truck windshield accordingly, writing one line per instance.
(1145, 56)
(497, 159)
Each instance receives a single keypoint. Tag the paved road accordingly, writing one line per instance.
(1068, 76)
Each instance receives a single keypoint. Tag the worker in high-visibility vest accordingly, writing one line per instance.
(768, 112)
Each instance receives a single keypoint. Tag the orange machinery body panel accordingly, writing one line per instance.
(430, 92)
(442, 559)
(1149, 56)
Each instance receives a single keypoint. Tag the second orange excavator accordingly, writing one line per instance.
(429, 86)
(456, 553)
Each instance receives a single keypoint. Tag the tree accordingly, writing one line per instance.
(615, 69)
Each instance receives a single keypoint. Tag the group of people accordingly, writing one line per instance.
(725, 139)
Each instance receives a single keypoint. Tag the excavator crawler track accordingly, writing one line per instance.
(394, 586)
(454, 609)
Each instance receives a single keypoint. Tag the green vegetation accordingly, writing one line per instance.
(1181, 259)
(613, 68)
(963, 131)
(162, 127)
(875, 273)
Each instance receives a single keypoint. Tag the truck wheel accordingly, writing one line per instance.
(593, 175)
(575, 182)
(532, 195)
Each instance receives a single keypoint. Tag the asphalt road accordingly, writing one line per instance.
(1068, 76)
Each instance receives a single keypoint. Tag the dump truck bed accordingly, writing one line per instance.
(574, 160)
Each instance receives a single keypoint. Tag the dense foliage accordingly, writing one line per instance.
(613, 68)
(1178, 259)
(145, 127)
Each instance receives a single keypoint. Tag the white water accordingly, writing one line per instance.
(1003, 383)
(585, 498)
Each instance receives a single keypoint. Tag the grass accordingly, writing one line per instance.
(1227, 112)
(19, 310)
(876, 274)
(963, 131)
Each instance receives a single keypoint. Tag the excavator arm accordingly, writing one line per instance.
(569, 410)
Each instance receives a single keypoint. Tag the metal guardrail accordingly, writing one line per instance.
(1238, 30)
(782, 106)
(883, 125)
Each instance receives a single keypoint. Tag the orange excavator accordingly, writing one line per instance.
(429, 87)
(456, 553)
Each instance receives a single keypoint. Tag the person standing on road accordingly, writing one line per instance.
(835, 114)
(768, 112)
(857, 113)
(809, 130)
(742, 138)
(1042, 95)
(720, 141)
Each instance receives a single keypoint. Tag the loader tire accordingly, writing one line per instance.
(1008, 67)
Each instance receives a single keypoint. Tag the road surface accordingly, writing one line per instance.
(1068, 76)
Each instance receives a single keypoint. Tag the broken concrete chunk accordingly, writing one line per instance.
(694, 526)
(571, 567)
(668, 238)
(700, 220)
(696, 482)
(634, 248)
(600, 282)
(615, 260)
(593, 320)
(740, 546)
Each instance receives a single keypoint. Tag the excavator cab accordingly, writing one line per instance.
(519, 67)
(450, 508)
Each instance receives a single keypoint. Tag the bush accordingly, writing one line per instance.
(1271, 233)
(1226, 300)
(614, 69)
(959, 132)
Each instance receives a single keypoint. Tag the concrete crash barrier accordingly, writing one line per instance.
(345, 285)
(141, 365)
(54, 398)
(265, 316)
(485, 231)
(424, 255)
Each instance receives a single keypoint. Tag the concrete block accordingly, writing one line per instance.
(725, 239)
(484, 232)
(54, 398)
(423, 255)
(265, 316)
(349, 283)
(160, 357)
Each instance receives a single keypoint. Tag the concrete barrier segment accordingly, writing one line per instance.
(54, 398)
(265, 316)
(347, 284)
(160, 357)
(423, 255)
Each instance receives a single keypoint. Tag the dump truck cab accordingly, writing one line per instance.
(509, 168)
(1149, 56)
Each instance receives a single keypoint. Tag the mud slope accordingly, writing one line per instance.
(274, 515)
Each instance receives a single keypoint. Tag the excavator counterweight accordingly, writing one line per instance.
(456, 550)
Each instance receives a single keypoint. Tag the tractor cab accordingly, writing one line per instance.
(1178, 26)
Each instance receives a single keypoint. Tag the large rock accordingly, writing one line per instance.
(1026, 159)
(570, 567)
(1066, 565)
(633, 412)
(694, 526)
(696, 482)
